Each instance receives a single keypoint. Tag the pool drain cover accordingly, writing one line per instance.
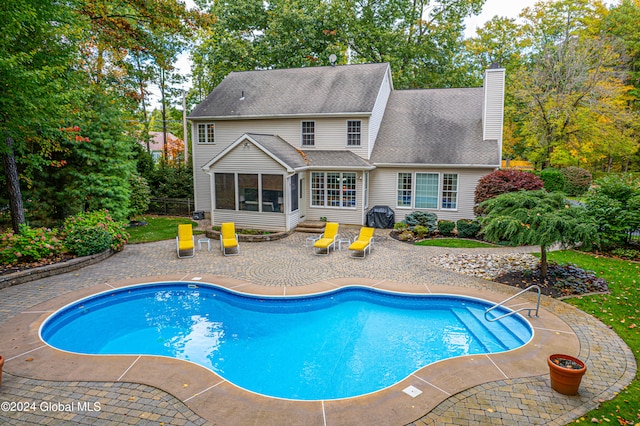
(412, 391)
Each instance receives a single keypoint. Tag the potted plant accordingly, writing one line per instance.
(566, 373)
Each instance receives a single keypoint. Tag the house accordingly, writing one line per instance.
(157, 147)
(274, 148)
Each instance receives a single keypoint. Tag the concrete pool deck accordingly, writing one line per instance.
(508, 388)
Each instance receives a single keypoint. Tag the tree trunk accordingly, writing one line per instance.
(164, 116)
(13, 186)
(543, 262)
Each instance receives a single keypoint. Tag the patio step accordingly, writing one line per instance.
(311, 227)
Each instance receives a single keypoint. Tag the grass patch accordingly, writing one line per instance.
(158, 229)
(453, 243)
(621, 311)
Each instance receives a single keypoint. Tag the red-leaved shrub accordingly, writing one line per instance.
(503, 181)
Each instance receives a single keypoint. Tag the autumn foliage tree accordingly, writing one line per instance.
(503, 181)
(572, 87)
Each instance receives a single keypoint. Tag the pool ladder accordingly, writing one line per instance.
(529, 310)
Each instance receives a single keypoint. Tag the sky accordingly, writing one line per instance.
(491, 8)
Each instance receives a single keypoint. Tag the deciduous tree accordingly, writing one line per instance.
(573, 85)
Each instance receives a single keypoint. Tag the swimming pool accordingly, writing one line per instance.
(338, 344)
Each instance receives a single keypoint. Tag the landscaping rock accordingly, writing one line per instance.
(487, 266)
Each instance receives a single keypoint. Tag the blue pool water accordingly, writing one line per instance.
(333, 345)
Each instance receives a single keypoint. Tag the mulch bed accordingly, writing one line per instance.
(9, 269)
(525, 279)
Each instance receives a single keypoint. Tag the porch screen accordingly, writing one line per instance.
(294, 192)
(272, 193)
(248, 192)
(225, 191)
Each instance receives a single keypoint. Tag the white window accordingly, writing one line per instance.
(404, 190)
(308, 133)
(333, 189)
(428, 190)
(206, 133)
(449, 191)
(354, 132)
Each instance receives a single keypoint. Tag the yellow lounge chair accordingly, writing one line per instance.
(328, 239)
(229, 239)
(363, 243)
(185, 243)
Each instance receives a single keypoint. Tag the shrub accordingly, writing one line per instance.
(427, 219)
(468, 228)
(87, 241)
(571, 279)
(627, 253)
(553, 180)
(576, 181)
(446, 227)
(400, 226)
(140, 196)
(614, 203)
(503, 181)
(31, 244)
(421, 231)
(406, 235)
(96, 219)
(171, 180)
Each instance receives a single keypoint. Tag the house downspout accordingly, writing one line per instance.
(212, 192)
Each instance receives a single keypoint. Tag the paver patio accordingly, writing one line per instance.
(496, 389)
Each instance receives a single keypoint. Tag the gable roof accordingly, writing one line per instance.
(434, 127)
(344, 89)
(272, 145)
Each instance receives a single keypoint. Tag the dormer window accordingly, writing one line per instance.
(308, 133)
(354, 132)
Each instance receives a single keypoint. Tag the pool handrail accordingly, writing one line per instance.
(537, 308)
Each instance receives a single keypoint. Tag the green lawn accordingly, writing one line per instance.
(453, 243)
(157, 229)
(621, 311)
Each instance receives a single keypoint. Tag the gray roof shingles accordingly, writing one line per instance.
(434, 126)
(280, 149)
(297, 91)
(336, 159)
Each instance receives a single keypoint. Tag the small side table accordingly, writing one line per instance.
(202, 241)
(342, 241)
(311, 240)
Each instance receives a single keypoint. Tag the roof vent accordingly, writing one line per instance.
(242, 96)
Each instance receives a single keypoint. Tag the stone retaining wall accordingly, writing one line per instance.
(33, 274)
(215, 235)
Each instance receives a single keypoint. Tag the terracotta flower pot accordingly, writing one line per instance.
(566, 373)
(1, 365)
